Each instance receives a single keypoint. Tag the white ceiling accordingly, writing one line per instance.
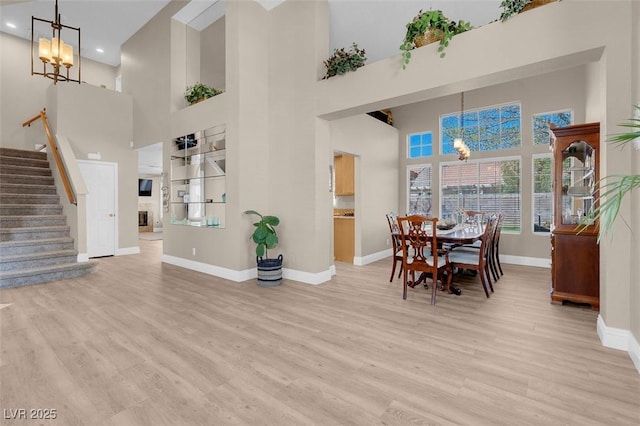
(378, 26)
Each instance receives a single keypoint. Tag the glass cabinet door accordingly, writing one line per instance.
(578, 182)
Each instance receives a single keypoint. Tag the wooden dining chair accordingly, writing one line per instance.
(396, 240)
(420, 254)
(477, 260)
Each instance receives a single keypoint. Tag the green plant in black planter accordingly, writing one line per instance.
(343, 61)
(427, 27)
(265, 237)
(199, 92)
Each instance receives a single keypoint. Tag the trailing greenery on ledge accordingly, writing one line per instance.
(442, 29)
(343, 61)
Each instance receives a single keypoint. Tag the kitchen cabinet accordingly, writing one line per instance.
(344, 166)
(575, 255)
(344, 239)
(198, 179)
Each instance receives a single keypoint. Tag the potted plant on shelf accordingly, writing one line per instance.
(513, 7)
(429, 27)
(265, 237)
(199, 92)
(613, 189)
(343, 61)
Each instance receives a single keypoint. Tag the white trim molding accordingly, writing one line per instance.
(621, 339)
(82, 257)
(127, 250)
(373, 257)
(526, 261)
(247, 274)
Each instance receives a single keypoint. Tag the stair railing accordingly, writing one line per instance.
(56, 154)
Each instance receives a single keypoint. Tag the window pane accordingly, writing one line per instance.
(450, 131)
(542, 194)
(488, 186)
(420, 189)
(420, 145)
(510, 126)
(542, 122)
(484, 129)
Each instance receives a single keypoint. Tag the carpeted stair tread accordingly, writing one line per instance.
(23, 153)
(49, 273)
(35, 256)
(6, 160)
(26, 171)
(19, 262)
(25, 179)
(7, 198)
(21, 188)
(13, 247)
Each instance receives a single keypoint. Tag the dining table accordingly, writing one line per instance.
(458, 235)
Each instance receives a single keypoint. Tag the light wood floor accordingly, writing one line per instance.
(142, 343)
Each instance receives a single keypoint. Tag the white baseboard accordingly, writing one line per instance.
(205, 268)
(314, 278)
(332, 270)
(373, 257)
(247, 274)
(621, 339)
(82, 257)
(526, 261)
(127, 250)
(157, 229)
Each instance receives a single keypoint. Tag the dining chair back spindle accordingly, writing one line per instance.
(496, 244)
(397, 244)
(420, 253)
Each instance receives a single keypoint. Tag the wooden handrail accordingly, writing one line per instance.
(56, 155)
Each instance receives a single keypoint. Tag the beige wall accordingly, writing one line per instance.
(24, 95)
(98, 120)
(212, 55)
(376, 146)
(634, 299)
(146, 75)
(544, 93)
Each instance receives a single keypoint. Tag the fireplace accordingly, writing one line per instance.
(145, 221)
(143, 218)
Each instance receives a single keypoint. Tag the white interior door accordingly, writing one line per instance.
(101, 181)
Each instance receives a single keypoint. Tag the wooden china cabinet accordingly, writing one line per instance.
(575, 257)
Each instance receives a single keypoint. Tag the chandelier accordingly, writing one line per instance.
(55, 54)
(458, 143)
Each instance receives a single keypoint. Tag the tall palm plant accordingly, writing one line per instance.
(614, 188)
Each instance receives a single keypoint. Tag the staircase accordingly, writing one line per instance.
(35, 243)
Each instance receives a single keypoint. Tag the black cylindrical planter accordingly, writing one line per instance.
(269, 271)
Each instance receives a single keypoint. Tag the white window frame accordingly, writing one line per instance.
(533, 193)
(408, 183)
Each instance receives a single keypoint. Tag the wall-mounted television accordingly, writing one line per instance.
(144, 187)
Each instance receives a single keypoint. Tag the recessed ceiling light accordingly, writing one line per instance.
(99, 50)
(11, 25)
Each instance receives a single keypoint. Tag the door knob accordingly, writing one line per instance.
(111, 215)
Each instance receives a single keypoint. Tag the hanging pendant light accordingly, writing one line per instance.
(458, 143)
(54, 53)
